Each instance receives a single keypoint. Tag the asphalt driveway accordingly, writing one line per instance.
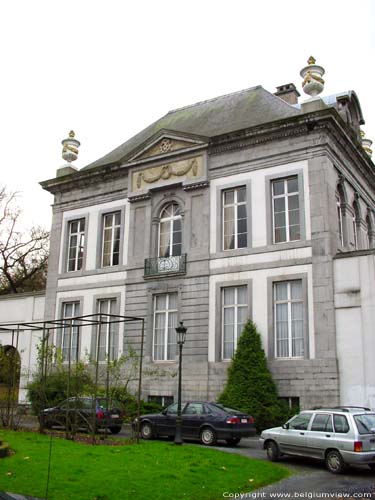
(310, 478)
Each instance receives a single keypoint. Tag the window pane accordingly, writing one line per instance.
(280, 235)
(293, 185)
(296, 289)
(280, 220)
(241, 194)
(228, 197)
(241, 212)
(229, 316)
(281, 291)
(279, 204)
(293, 217)
(294, 233)
(242, 240)
(229, 294)
(241, 295)
(278, 187)
(173, 301)
(293, 202)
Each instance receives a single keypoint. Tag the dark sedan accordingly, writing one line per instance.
(201, 420)
(85, 414)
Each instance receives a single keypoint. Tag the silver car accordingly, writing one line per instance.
(340, 436)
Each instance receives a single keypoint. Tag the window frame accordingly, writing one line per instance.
(166, 327)
(219, 311)
(116, 331)
(70, 222)
(299, 173)
(236, 204)
(271, 280)
(234, 306)
(100, 240)
(219, 217)
(58, 337)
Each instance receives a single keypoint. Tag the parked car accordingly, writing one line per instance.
(201, 420)
(79, 413)
(340, 436)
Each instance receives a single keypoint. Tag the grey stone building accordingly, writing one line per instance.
(233, 208)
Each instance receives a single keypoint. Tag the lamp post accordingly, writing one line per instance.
(181, 337)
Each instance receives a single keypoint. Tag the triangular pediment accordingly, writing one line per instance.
(166, 143)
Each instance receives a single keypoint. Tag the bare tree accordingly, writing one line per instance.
(23, 253)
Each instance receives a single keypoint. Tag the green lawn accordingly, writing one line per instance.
(151, 470)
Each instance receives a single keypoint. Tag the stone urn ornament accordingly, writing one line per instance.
(313, 83)
(70, 148)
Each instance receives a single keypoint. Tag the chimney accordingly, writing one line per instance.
(288, 93)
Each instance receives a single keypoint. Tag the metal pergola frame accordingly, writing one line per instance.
(50, 326)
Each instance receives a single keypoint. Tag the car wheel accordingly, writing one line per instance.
(115, 429)
(208, 436)
(233, 441)
(272, 450)
(334, 462)
(372, 467)
(146, 431)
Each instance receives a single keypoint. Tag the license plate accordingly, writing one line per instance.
(243, 420)
(114, 416)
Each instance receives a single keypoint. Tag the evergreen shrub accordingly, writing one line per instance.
(250, 386)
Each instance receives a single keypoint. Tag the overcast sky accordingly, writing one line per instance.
(107, 69)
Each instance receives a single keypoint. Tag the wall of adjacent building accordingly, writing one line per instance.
(17, 309)
(355, 319)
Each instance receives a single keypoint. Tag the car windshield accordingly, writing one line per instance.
(365, 423)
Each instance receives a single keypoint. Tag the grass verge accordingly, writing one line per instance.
(155, 470)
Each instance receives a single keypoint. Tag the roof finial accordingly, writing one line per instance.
(70, 148)
(366, 144)
(313, 83)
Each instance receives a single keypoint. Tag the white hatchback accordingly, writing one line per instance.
(340, 436)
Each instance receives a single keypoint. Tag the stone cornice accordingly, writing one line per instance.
(324, 120)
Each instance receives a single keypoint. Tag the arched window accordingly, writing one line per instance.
(340, 212)
(170, 231)
(369, 231)
(340, 221)
(356, 224)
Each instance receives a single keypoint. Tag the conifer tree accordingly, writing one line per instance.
(250, 386)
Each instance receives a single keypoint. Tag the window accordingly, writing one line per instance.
(356, 222)
(111, 239)
(301, 422)
(76, 244)
(234, 218)
(292, 402)
(322, 422)
(161, 400)
(165, 322)
(194, 409)
(369, 231)
(341, 424)
(339, 220)
(69, 341)
(234, 316)
(285, 210)
(106, 346)
(170, 231)
(288, 317)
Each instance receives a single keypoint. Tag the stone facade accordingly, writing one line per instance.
(190, 160)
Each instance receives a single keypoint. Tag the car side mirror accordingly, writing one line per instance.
(285, 426)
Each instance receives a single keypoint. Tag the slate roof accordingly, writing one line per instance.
(224, 114)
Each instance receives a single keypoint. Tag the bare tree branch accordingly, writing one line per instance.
(23, 254)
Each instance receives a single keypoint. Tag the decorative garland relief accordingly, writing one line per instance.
(165, 172)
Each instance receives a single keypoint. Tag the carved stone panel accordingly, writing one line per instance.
(166, 174)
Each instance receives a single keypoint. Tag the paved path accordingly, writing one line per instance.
(310, 478)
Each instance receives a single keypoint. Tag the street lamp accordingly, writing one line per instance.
(181, 337)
